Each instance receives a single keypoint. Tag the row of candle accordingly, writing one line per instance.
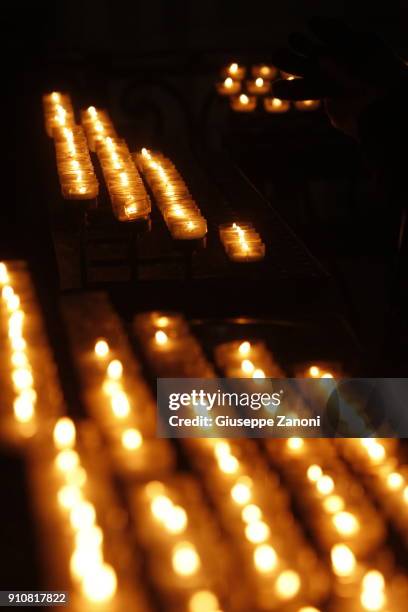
(126, 189)
(248, 103)
(185, 555)
(74, 165)
(241, 242)
(32, 395)
(238, 72)
(97, 125)
(76, 509)
(127, 192)
(114, 390)
(377, 461)
(334, 504)
(180, 212)
(58, 111)
(97, 580)
(247, 506)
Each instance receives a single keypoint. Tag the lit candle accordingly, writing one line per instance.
(241, 242)
(307, 105)
(75, 169)
(181, 214)
(276, 105)
(258, 86)
(235, 71)
(265, 71)
(228, 87)
(97, 125)
(128, 195)
(243, 103)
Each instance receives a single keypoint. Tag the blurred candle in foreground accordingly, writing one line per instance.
(235, 71)
(228, 87)
(307, 105)
(276, 105)
(258, 86)
(265, 71)
(243, 103)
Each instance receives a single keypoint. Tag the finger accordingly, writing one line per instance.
(300, 89)
(288, 61)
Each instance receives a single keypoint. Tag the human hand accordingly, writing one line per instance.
(348, 70)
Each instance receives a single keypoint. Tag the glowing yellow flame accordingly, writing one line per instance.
(244, 348)
(161, 338)
(228, 464)
(247, 366)
(69, 496)
(161, 506)
(287, 584)
(241, 492)
(333, 503)
(82, 515)
(346, 523)
(23, 408)
(100, 584)
(395, 481)
(64, 433)
(265, 558)
(176, 520)
(258, 373)
(115, 369)
(295, 443)
(101, 347)
(185, 559)
(132, 439)
(67, 460)
(4, 277)
(251, 513)
(314, 472)
(343, 560)
(325, 485)
(257, 532)
(120, 404)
